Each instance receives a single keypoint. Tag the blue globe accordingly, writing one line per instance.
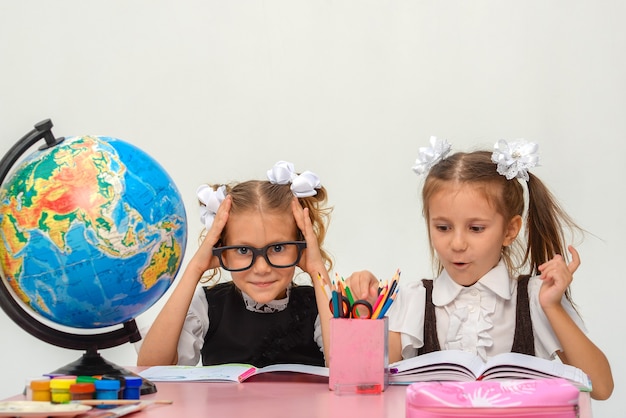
(92, 232)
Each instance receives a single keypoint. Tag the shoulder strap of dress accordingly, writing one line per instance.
(215, 298)
(524, 338)
(431, 341)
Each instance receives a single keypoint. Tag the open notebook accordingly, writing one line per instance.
(232, 372)
(456, 365)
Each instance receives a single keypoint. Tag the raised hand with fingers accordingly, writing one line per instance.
(311, 260)
(557, 276)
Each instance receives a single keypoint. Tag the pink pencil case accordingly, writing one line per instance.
(523, 398)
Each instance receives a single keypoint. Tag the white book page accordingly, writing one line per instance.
(218, 373)
(450, 358)
(508, 363)
(296, 368)
(446, 364)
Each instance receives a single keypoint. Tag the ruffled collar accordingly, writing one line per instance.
(470, 329)
(276, 305)
(445, 289)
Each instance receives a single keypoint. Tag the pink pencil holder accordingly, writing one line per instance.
(358, 358)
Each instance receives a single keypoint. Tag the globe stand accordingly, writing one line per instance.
(91, 363)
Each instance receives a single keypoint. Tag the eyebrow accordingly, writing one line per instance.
(471, 220)
(264, 245)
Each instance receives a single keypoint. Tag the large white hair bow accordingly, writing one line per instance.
(210, 201)
(515, 158)
(429, 156)
(302, 185)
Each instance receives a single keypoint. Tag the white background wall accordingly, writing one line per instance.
(219, 91)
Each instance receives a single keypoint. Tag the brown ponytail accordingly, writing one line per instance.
(545, 225)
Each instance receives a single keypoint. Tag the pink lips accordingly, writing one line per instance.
(262, 284)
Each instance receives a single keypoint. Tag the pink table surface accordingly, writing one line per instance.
(295, 397)
(272, 399)
(267, 399)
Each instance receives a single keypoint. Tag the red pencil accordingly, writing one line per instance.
(378, 305)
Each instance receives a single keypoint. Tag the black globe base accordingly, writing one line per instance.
(93, 364)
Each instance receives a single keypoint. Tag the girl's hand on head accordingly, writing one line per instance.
(311, 260)
(204, 255)
(557, 276)
(363, 285)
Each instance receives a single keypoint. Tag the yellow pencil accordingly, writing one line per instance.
(324, 286)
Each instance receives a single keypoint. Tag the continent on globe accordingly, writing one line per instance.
(92, 231)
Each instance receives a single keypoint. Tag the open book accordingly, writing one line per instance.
(459, 365)
(232, 372)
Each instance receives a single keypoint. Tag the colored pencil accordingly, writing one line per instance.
(388, 303)
(394, 284)
(349, 295)
(324, 286)
(335, 299)
(340, 286)
(388, 292)
(379, 302)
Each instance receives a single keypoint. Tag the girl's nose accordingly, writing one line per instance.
(261, 265)
(459, 243)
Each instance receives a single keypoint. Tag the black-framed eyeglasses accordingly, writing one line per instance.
(241, 257)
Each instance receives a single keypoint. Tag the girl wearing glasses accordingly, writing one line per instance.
(258, 231)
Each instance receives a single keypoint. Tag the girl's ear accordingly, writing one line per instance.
(512, 230)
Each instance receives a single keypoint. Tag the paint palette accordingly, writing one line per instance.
(40, 409)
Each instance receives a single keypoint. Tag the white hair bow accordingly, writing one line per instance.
(210, 201)
(302, 185)
(516, 158)
(429, 156)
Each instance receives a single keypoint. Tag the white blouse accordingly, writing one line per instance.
(478, 318)
(197, 324)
